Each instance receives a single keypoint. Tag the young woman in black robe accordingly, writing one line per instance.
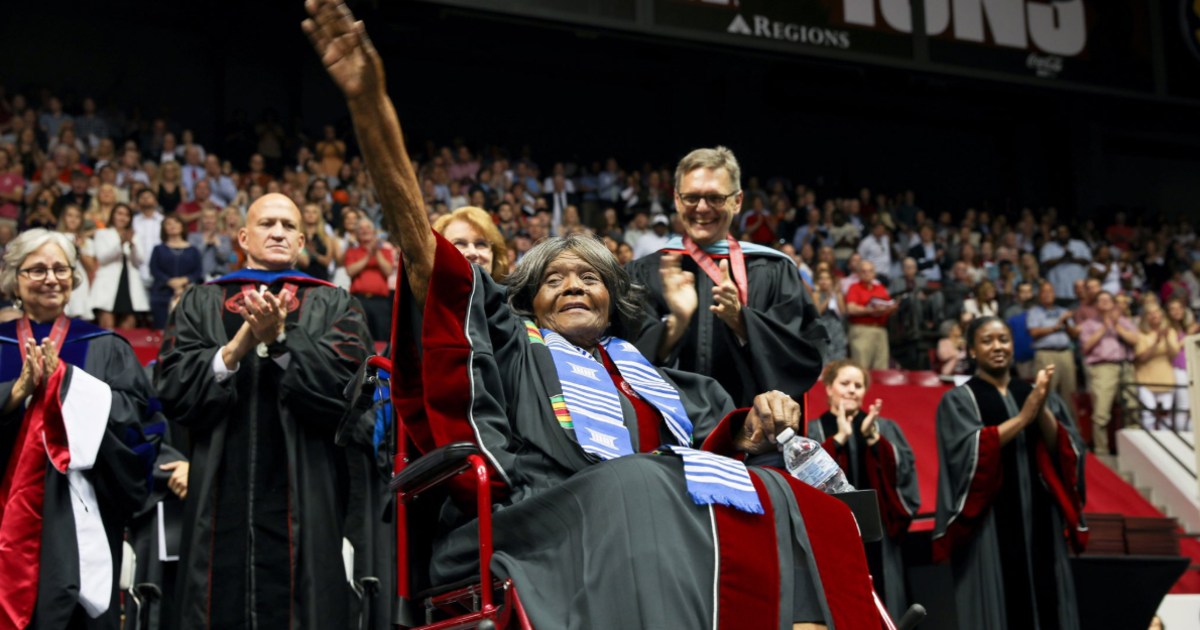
(1010, 492)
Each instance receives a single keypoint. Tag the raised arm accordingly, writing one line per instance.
(355, 66)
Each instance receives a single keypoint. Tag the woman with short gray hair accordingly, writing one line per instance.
(73, 394)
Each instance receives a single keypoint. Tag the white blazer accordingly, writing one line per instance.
(108, 247)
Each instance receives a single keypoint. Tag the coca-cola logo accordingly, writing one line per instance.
(1044, 66)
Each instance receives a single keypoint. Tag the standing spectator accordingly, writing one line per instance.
(638, 227)
(217, 257)
(174, 266)
(471, 231)
(41, 213)
(1183, 321)
(756, 225)
(1157, 345)
(147, 229)
(812, 232)
(320, 247)
(868, 308)
(1106, 342)
(369, 264)
(983, 303)
(1120, 235)
(952, 350)
(221, 186)
(1107, 269)
(53, 117)
(189, 211)
(91, 127)
(930, 256)
(877, 248)
(656, 239)
(70, 222)
(831, 308)
(1064, 261)
(102, 205)
(78, 193)
(1088, 290)
(12, 186)
(610, 225)
(170, 187)
(118, 293)
(331, 151)
(193, 170)
(1052, 331)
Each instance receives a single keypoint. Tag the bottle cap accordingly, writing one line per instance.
(783, 436)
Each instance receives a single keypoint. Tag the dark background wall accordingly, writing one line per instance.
(575, 93)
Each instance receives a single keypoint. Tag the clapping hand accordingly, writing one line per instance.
(266, 314)
(869, 429)
(342, 43)
(41, 360)
(727, 304)
(679, 288)
(1037, 398)
(845, 427)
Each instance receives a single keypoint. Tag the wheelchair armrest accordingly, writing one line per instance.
(432, 468)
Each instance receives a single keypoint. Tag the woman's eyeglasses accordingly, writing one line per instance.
(38, 274)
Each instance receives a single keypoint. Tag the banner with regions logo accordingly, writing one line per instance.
(799, 25)
(1095, 42)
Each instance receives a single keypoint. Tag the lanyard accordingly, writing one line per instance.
(737, 264)
(57, 333)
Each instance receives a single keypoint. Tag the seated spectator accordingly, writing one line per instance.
(217, 257)
(174, 266)
(868, 308)
(221, 185)
(624, 254)
(831, 308)
(757, 224)
(930, 256)
(369, 263)
(118, 293)
(983, 302)
(952, 349)
(189, 211)
(1157, 345)
(1106, 342)
(851, 277)
(232, 221)
(638, 227)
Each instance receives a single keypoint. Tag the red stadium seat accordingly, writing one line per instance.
(145, 342)
(889, 377)
(925, 379)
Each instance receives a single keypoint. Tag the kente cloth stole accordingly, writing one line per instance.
(590, 408)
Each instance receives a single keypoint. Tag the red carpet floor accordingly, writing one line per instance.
(914, 408)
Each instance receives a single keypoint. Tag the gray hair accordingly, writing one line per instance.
(626, 297)
(25, 244)
(719, 157)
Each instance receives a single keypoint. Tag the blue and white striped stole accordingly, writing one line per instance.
(594, 408)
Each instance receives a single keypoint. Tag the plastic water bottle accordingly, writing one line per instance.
(807, 461)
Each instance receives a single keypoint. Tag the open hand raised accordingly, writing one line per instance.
(343, 46)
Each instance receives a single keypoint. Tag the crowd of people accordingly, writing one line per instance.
(585, 316)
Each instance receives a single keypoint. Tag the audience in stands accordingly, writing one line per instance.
(56, 152)
(1157, 346)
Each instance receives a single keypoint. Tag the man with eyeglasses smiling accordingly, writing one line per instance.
(756, 328)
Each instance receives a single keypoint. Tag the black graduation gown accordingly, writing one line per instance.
(785, 341)
(1007, 516)
(263, 460)
(890, 469)
(617, 543)
(118, 476)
